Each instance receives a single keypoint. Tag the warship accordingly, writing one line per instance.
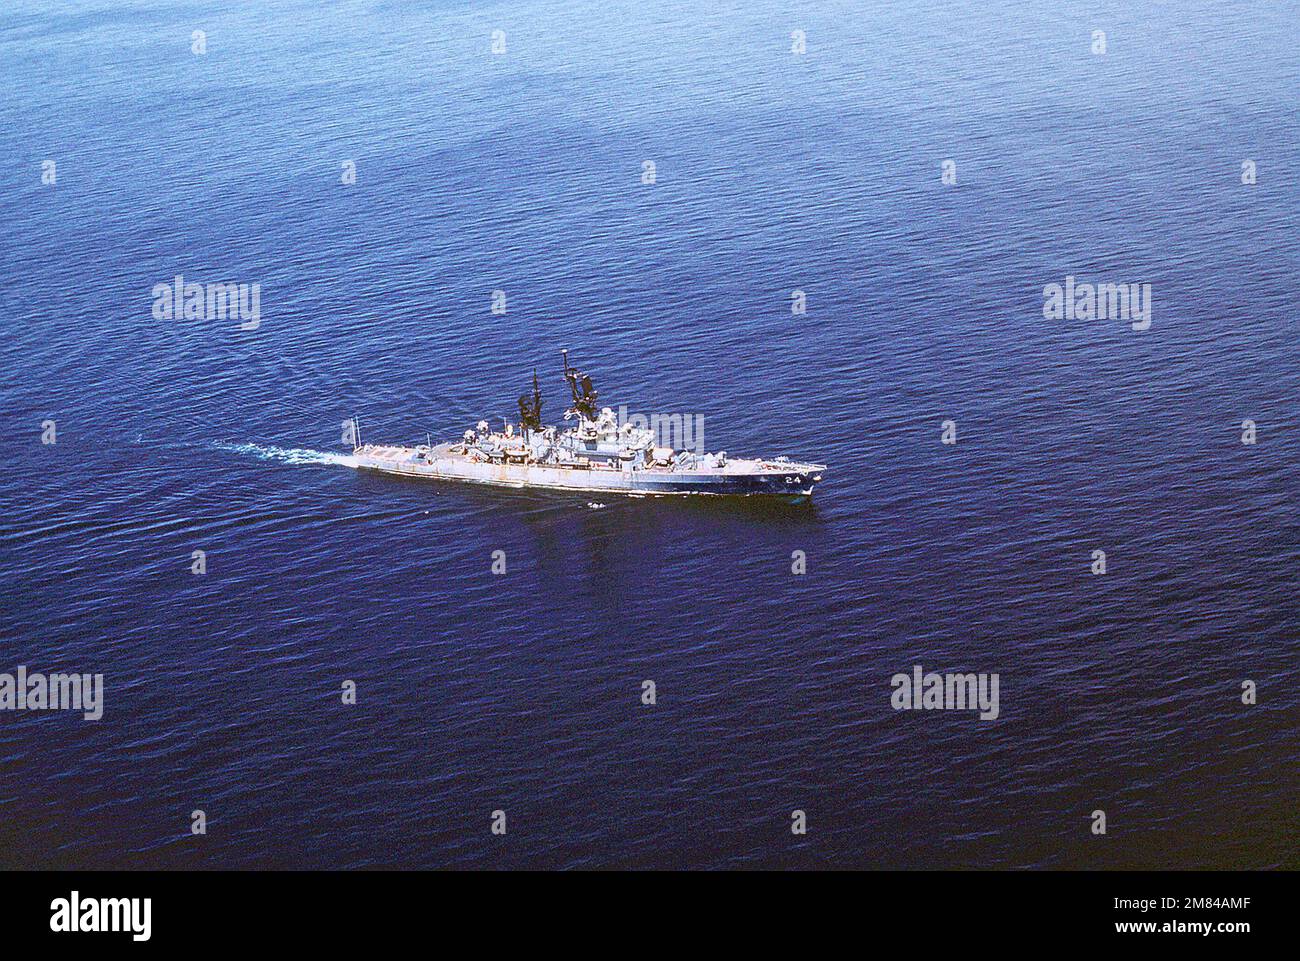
(597, 454)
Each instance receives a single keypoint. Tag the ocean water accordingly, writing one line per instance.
(774, 172)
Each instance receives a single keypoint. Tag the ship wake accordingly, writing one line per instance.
(291, 455)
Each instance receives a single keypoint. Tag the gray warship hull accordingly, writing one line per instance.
(601, 454)
(739, 477)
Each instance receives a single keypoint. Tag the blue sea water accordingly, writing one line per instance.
(775, 172)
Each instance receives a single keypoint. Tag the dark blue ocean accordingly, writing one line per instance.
(775, 171)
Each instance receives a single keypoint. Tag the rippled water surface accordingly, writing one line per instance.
(775, 172)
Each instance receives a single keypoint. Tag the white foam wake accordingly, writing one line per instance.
(291, 455)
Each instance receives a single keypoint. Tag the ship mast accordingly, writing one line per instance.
(530, 411)
(584, 395)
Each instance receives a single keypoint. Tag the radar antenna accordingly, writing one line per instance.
(530, 411)
(584, 395)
